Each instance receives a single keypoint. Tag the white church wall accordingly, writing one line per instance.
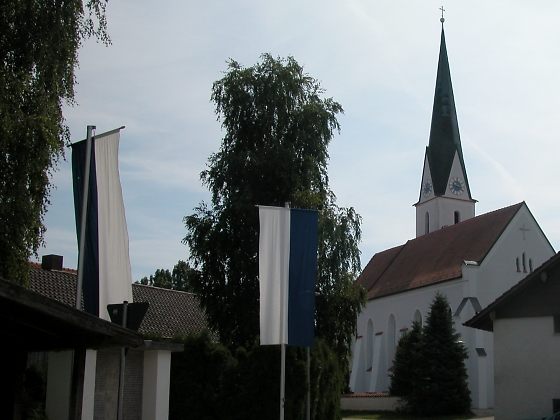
(478, 344)
(522, 238)
(398, 311)
(484, 282)
(441, 213)
(457, 173)
(357, 365)
(526, 390)
(438, 212)
(497, 274)
(427, 185)
(406, 307)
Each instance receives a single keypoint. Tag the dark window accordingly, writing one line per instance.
(457, 217)
(427, 223)
(517, 264)
(524, 263)
(481, 352)
(556, 405)
(530, 265)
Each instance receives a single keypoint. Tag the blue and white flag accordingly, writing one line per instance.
(106, 268)
(287, 272)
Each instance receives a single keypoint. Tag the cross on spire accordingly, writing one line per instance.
(442, 18)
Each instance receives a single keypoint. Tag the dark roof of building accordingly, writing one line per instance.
(523, 292)
(435, 257)
(172, 313)
(59, 285)
(34, 322)
(444, 131)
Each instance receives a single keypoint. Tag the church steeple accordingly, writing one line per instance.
(445, 196)
(445, 140)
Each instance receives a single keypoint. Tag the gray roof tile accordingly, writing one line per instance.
(172, 313)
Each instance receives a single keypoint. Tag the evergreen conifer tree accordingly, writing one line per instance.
(443, 387)
(429, 372)
(408, 359)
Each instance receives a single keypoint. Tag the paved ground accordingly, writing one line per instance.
(480, 416)
(474, 418)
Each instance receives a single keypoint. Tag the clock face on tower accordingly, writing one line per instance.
(427, 189)
(456, 186)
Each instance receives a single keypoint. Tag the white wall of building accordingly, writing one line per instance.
(59, 381)
(527, 372)
(441, 213)
(441, 209)
(155, 399)
(497, 273)
(88, 397)
(379, 313)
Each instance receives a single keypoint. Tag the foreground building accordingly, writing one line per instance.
(171, 314)
(470, 259)
(525, 322)
(33, 324)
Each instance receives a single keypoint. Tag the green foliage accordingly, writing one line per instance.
(181, 278)
(277, 130)
(197, 380)
(210, 382)
(429, 371)
(258, 379)
(327, 382)
(39, 43)
(34, 394)
(408, 360)
(339, 299)
(161, 278)
(444, 354)
(275, 150)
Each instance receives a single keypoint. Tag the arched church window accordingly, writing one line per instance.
(369, 345)
(530, 265)
(427, 223)
(457, 217)
(391, 339)
(517, 264)
(418, 317)
(524, 263)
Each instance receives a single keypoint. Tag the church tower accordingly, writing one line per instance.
(445, 196)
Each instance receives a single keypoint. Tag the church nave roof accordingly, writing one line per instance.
(435, 257)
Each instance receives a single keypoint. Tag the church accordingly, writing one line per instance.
(470, 259)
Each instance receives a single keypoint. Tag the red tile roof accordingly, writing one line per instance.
(435, 257)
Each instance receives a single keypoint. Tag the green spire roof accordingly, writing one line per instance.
(444, 131)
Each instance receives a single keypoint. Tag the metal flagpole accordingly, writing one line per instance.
(120, 395)
(106, 133)
(282, 379)
(85, 192)
(283, 346)
(308, 384)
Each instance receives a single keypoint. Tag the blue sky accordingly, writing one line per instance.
(377, 58)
